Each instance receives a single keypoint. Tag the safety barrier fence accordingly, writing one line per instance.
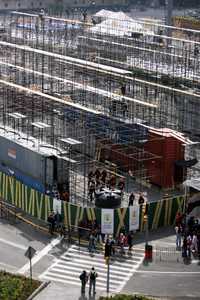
(167, 254)
(38, 205)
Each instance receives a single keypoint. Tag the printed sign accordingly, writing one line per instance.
(12, 153)
(107, 221)
(134, 216)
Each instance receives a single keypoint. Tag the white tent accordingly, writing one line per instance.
(117, 23)
(107, 14)
(118, 27)
(193, 183)
(103, 13)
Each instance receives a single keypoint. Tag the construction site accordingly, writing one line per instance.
(106, 94)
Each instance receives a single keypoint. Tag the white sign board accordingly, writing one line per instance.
(57, 205)
(134, 217)
(107, 221)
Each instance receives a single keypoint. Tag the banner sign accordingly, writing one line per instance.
(134, 217)
(107, 221)
(12, 153)
(57, 205)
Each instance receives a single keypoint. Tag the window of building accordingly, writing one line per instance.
(6, 5)
(19, 4)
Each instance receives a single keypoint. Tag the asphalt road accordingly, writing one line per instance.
(166, 276)
(14, 241)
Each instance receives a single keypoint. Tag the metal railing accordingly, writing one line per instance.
(7, 211)
(166, 254)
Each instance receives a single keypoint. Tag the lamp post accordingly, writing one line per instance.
(145, 213)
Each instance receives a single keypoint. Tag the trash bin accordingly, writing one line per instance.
(148, 252)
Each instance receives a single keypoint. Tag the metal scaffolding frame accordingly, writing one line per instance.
(99, 88)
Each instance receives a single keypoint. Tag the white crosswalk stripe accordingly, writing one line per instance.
(69, 266)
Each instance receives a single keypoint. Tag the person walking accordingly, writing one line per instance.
(112, 243)
(131, 199)
(92, 243)
(194, 245)
(92, 284)
(122, 242)
(178, 237)
(189, 245)
(51, 221)
(83, 278)
(91, 190)
(58, 220)
(184, 248)
(130, 240)
(141, 199)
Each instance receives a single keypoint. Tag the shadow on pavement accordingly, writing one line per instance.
(84, 297)
(153, 235)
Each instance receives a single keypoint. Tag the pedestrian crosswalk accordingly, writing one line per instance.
(68, 267)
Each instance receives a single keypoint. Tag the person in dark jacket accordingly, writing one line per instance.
(130, 240)
(52, 222)
(131, 199)
(83, 278)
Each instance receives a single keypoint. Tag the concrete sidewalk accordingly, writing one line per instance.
(56, 291)
(160, 275)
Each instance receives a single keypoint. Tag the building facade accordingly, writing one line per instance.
(23, 4)
(36, 4)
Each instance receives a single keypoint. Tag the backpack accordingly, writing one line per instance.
(83, 277)
(93, 275)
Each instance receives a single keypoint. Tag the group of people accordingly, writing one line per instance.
(132, 198)
(91, 277)
(60, 192)
(187, 236)
(98, 180)
(122, 241)
(54, 221)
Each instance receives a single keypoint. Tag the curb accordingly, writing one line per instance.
(20, 217)
(38, 290)
(32, 224)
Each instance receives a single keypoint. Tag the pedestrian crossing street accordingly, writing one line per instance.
(69, 266)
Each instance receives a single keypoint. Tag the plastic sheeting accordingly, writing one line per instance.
(118, 27)
(103, 13)
(195, 212)
(118, 23)
(193, 183)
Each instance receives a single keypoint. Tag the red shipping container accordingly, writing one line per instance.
(168, 144)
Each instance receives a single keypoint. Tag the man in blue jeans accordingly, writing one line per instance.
(178, 237)
(92, 242)
(92, 276)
